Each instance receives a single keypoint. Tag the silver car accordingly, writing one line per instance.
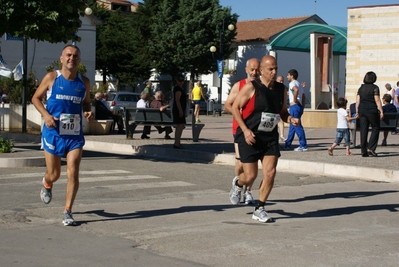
(118, 100)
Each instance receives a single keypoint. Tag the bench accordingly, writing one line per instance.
(154, 117)
(100, 127)
(389, 123)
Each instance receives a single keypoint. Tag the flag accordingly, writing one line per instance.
(18, 71)
(220, 65)
(4, 70)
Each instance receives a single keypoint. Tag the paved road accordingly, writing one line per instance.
(146, 212)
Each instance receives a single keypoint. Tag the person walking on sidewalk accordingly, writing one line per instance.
(252, 70)
(179, 109)
(297, 102)
(342, 127)
(196, 95)
(68, 93)
(370, 112)
(258, 107)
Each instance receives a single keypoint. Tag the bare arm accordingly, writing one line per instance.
(377, 100)
(284, 114)
(242, 98)
(232, 96)
(295, 94)
(45, 85)
(178, 104)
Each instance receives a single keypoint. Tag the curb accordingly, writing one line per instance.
(284, 165)
(22, 162)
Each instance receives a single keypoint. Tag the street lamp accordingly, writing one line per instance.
(220, 62)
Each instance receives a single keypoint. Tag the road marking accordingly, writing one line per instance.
(40, 174)
(146, 185)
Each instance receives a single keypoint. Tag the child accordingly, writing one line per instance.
(342, 127)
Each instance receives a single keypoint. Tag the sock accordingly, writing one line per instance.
(240, 186)
(260, 204)
(46, 185)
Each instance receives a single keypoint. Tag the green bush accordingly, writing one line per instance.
(5, 145)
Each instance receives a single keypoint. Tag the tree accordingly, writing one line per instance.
(52, 21)
(180, 33)
(117, 47)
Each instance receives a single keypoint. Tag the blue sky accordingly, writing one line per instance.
(334, 12)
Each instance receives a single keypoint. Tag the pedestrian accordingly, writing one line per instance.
(179, 109)
(342, 131)
(68, 94)
(369, 111)
(280, 79)
(196, 95)
(387, 107)
(252, 71)
(297, 102)
(390, 91)
(258, 107)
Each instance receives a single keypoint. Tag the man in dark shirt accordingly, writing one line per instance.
(103, 113)
(158, 103)
(387, 107)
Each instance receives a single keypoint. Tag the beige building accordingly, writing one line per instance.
(373, 45)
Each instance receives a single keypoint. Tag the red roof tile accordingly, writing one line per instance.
(251, 30)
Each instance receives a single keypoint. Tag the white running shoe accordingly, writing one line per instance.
(248, 199)
(261, 215)
(235, 192)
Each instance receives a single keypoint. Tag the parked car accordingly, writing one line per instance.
(118, 100)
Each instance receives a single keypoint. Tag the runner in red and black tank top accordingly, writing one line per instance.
(249, 107)
(264, 100)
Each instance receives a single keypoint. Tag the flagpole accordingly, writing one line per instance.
(24, 82)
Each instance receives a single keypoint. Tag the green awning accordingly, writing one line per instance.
(297, 38)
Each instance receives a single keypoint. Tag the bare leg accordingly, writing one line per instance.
(73, 163)
(53, 165)
(269, 164)
(196, 111)
(178, 133)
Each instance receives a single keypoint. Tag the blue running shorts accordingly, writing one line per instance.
(59, 146)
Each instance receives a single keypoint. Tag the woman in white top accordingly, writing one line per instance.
(390, 91)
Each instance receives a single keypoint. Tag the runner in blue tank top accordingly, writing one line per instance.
(68, 98)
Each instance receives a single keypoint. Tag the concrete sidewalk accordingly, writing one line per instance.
(215, 146)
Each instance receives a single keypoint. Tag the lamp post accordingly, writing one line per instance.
(220, 62)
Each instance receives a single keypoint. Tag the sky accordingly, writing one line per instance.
(334, 12)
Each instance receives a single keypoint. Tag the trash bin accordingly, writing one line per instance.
(210, 106)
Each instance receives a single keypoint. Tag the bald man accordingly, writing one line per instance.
(257, 108)
(252, 71)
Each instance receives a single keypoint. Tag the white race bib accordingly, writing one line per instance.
(69, 124)
(268, 121)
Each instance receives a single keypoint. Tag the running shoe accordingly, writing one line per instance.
(235, 192)
(261, 215)
(45, 194)
(68, 219)
(248, 199)
(301, 149)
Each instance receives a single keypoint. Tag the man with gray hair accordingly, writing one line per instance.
(103, 113)
(159, 103)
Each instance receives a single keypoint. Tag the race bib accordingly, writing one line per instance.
(268, 121)
(69, 124)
